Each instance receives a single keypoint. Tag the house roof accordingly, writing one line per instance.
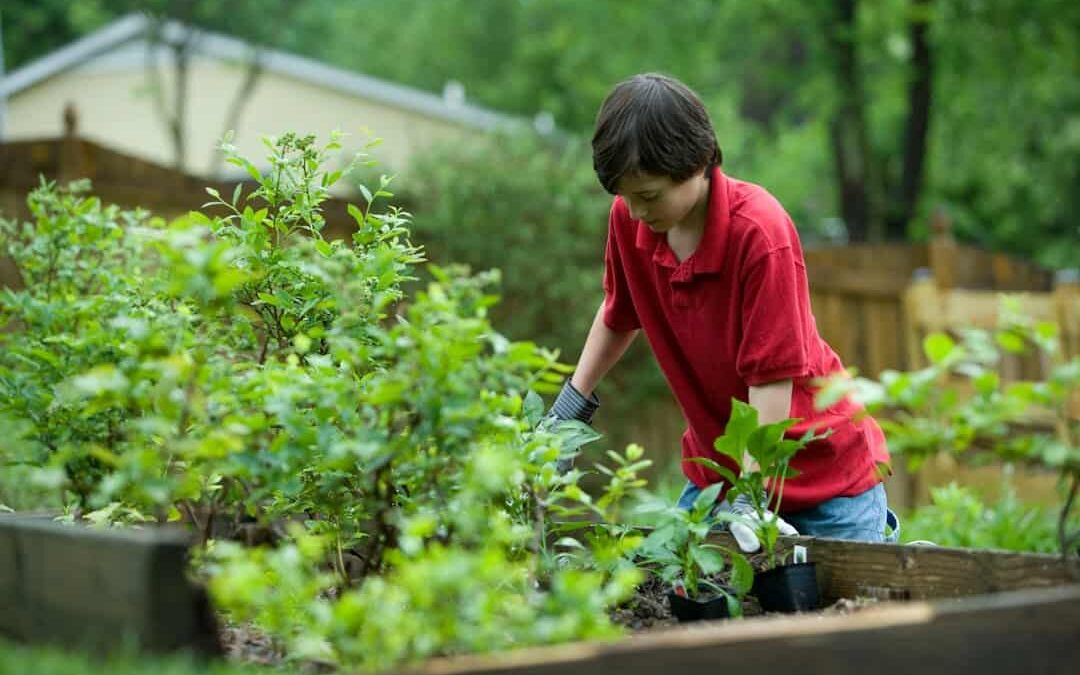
(134, 27)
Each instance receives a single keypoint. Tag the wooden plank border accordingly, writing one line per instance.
(1033, 631)
(848, 569)
(101, 588)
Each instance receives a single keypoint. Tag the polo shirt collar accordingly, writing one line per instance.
(709, 255)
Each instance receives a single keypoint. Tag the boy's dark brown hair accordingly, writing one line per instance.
(653, 124)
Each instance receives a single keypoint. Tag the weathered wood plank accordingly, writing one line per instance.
(883, 284)
(848, 569)
(1026, 631)
(100, 588)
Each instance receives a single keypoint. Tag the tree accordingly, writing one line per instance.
(876, 203)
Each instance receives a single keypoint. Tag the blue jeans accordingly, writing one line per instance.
(863, 517)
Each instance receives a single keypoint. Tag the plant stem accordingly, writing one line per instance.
(539, 537)
(1064, 540)
(186, 505)
(344, 573)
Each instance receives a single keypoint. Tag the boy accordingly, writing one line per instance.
(711, 269)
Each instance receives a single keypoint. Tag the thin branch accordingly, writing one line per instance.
(236, 108)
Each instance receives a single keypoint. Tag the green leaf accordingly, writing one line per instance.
(366, 192)
(707, 498)
(1010, 342)
(708, 559)
(742, 574)
(271, 300)
(726, 473)
(987, 382)
(938, 347)
(574, 434)
(357, 214)
(533, 408)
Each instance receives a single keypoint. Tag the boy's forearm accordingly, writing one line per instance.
(603, 349)
(773, 404)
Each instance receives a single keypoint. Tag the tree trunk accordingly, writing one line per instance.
(853, 159)
(906, 197)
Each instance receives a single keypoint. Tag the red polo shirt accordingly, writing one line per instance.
(736, 313)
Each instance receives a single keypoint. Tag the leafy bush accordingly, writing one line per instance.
(535, 211)
(958, 516)
(236, 366)
(959, 403)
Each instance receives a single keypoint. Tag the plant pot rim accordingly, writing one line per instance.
(781, 568)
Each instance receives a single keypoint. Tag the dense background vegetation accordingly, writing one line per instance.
(971, 105)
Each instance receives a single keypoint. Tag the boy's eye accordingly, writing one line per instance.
(649, 198)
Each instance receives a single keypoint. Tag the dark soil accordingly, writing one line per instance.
(649, 608)
(247, 644)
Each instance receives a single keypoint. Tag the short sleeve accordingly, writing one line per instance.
(619, 312)
(774, 314)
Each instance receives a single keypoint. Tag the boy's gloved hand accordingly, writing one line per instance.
(744, 532)
(571, 405)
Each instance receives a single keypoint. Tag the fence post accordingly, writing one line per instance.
(922, 304)
(942, 250)
(1067, 308)
(1067, 311)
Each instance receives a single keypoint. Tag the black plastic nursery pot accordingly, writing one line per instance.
(787, 588)
(685, 609)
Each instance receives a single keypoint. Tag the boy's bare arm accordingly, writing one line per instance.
(773, 403)
(603, 349)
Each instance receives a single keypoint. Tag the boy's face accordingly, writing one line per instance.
(661, 203)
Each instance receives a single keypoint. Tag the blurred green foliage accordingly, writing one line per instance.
(21, 659)
(233, 367)
(1004, 128)
(534, 210)
(959, 516)
(961, 405)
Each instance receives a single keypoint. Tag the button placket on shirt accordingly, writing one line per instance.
(680, 286)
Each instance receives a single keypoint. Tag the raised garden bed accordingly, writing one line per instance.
(990, 611)
(101, 588)
(1032, 631)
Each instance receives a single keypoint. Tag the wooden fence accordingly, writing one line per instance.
(876, 303)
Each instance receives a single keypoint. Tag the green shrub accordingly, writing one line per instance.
(236, 365)
(535, 211)
(959, 404)
(958, 516)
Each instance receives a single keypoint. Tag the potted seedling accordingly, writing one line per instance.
(757, 488)
(678, 548)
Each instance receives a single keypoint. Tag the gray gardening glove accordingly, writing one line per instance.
(744, 531)
(571, 405)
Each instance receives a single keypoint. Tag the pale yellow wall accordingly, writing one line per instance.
(116, 110)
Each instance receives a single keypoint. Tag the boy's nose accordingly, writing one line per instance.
(635, 213)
